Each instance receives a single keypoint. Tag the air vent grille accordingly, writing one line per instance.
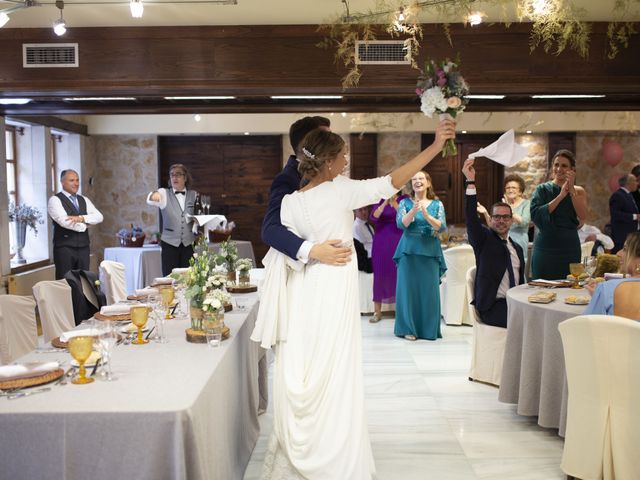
(48, 55)
(381, 52)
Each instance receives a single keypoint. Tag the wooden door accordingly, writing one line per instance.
(235, 171)
(448, 180)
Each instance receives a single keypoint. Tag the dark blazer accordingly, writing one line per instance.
(364, 262)
(636, 197)
(274, 233)
(82, 307)
(491, 257)
(622, 207)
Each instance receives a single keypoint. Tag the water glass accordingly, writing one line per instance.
(241, 303)
(108, 339)
(590, 263)
(214, 336)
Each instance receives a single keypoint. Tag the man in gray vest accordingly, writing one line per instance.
(175, 203)
(71, 214)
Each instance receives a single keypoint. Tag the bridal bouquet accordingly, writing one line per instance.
(442, 89)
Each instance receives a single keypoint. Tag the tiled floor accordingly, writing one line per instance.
(428, 421)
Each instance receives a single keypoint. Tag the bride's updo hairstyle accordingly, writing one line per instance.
(317, 148)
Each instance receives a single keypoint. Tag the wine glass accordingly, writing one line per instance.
(590, 264)
(108, 339)
(576, 269)
(139, 317)
(168, 295)
(80, 348)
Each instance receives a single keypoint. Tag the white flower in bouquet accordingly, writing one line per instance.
(216, 281)
(211, 304)
(244, 264)
(432, 100)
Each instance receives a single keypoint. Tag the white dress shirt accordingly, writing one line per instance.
(515, 264)
(363, 234)
(59, 215)
(162, 203)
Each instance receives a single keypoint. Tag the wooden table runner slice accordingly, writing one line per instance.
(32, 381)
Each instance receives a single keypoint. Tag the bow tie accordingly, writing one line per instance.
(180, 193)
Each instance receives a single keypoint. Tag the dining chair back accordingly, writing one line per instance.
(625, 300)
(113, 280)
(487, 351)
(602, 361)
(55, 307)
(18, 329)
(454, 297)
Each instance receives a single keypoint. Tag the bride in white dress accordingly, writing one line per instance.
(320, 430)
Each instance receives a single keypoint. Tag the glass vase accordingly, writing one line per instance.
(231, 277)
(243, 278)
(197, 315)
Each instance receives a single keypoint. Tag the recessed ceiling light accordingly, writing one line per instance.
(475, 18)
(529, 131)
(14, 101)
(485, 97)
(216, 97)
(246, 133)
(197, 117)
(306, 97)
(99, 99)
(568, 96)
(344, 114)
(463, 131)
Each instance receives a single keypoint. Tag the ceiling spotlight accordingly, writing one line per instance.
(60, 26)
(344, 114)
(137, 8)
(197, 117)
(529, 131)
(475, 18)
(4, 18)
(246, 133)
(401, 17)
(464, 131)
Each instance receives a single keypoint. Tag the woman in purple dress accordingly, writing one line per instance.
(385, 241)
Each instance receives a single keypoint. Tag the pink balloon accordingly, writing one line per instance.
(613, 182)
(612, 153)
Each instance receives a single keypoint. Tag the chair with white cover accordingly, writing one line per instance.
(586, 248)
(18, 329)
(487, 352)
(113, 280)
(454, 297)
(602, 361)
(55, 307)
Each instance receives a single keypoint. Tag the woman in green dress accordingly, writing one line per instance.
(558, 209)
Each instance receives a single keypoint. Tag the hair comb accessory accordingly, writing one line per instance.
(308, 153)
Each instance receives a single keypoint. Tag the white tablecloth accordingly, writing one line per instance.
(177, 411)
(245, 249)
(533, 372)
(141, 265)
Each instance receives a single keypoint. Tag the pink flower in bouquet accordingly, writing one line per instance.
(419, 91)
(454, 102)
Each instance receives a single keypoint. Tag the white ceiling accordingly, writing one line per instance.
(94, 13)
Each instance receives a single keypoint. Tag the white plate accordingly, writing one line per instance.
(91, 361)
(130, 328)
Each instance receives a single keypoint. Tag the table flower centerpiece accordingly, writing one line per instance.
(23, 216)
(227, 258)
(442, 89)
(244, 265)
(214, 308)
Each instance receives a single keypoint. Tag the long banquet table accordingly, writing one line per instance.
(176, 411)
(141, 265)
(533, 372)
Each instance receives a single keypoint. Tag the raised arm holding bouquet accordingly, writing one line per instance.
(442, 89)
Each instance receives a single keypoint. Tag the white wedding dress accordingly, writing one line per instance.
(320, 430)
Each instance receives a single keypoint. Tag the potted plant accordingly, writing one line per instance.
(23, 216)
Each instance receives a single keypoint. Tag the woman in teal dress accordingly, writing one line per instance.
(558, 209)
(420, 262)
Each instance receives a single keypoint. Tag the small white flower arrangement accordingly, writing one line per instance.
(216, 281)
(215, 301)
(244, 264)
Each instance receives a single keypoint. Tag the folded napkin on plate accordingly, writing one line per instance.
(505, 150)
(143, 292)
(26, 370)
(115, 309)
(611, 276)
(83, 332)
(180, 270)
(162, 281)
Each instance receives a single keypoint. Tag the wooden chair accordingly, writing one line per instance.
(626, 300)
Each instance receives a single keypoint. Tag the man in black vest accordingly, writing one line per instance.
(71, 214)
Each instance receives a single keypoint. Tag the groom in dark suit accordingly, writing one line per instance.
(499, 260)
(287, 181)
(624, 211)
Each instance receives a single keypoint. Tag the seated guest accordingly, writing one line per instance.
(602, 293)
(364, 262)
(635, 171)
(601, 242)
(499, 260)
(362, 229)
(624, 212)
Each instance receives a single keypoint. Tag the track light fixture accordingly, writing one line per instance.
(60, 26)
(137, 8)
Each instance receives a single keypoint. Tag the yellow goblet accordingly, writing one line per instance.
(139, 317)
(80, 349)
(168, 294)
(576, 269)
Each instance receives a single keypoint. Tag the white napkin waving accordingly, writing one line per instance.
(26, 370)
(83, 332)
(146, 291)
(115, 309)
(162, 281)
(505, 150)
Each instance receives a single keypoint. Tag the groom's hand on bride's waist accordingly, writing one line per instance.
(331, 253)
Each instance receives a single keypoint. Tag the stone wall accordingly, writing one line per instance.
(126, 170)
